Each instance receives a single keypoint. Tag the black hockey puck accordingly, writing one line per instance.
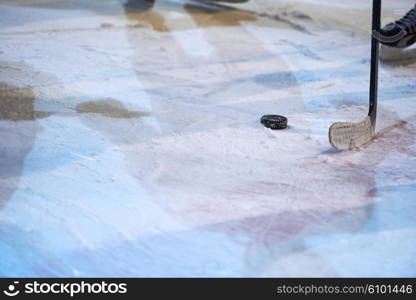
(274, 122)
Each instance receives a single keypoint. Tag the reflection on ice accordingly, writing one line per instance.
(130, 142)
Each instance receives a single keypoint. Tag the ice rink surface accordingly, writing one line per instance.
(130, 141)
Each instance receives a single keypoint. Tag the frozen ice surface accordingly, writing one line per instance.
(130, 141)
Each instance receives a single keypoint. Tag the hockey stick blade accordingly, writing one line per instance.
(348, 135)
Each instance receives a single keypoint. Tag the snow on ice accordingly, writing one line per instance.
(130, 141)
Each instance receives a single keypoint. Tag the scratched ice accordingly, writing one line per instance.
(130, 141)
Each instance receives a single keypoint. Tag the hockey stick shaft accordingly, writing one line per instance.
(350, 135)
(375, 49)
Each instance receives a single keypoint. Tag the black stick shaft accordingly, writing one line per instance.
(374, 61)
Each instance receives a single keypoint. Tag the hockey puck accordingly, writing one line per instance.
(274, 122)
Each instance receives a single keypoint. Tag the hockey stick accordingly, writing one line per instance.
(348, 135)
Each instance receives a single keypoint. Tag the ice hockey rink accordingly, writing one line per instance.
(130, 141)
